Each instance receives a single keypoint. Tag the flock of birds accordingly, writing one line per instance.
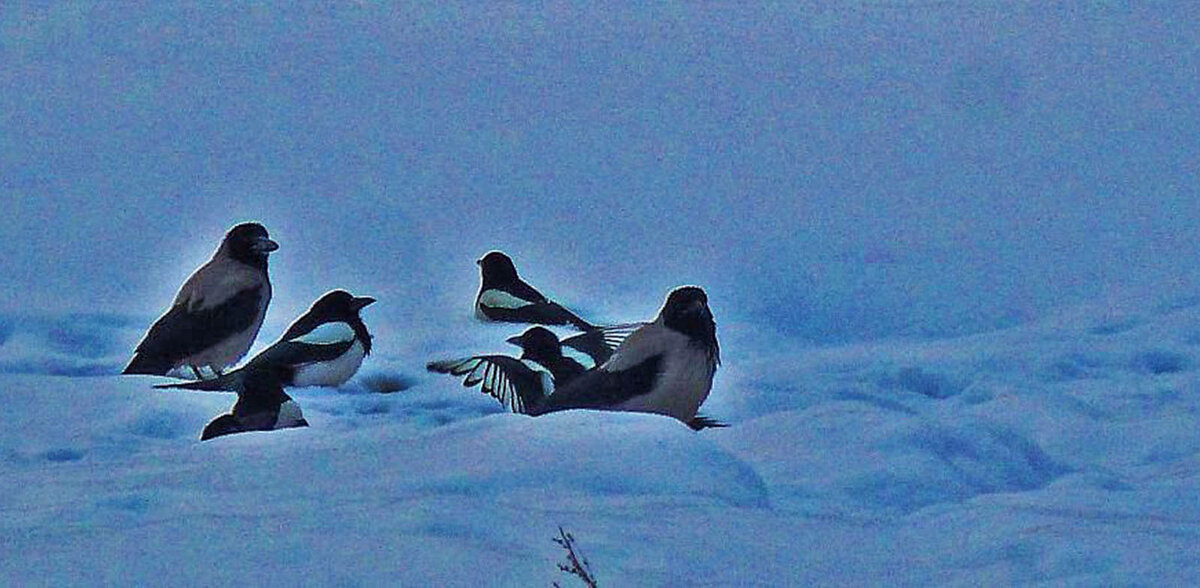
(664, 366)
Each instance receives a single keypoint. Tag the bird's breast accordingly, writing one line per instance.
(681, 387)
(331, 373)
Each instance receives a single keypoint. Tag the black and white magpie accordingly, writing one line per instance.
(518, 383)
(262, 405)
(664, 367)
(505, 297)
(217, 313)
(589, 348)
(324, 347)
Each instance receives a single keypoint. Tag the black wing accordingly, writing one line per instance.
(601, 388)
(536, 310)
(517, 386)
(600, 343)
(282, 358)
(295, 354)
(180, 333)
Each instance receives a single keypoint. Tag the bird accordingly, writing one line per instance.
(262, 405)
(505, 297)
(217, 313)
(664, 367)
(517, 382)
(589, 348)
(323, 347)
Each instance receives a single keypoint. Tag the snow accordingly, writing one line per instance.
(1064, 451)
(950, 249)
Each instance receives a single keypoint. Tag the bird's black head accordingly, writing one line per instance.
(339, 305)
(497, 268)
(249, 244)
(262, 387)
(537, 343)
(686, 310)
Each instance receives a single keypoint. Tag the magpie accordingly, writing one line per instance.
(324, 347)
(664, 367)
(217, 313)
(589, 348)
(262, 405)
(518, 383)
(505, 297)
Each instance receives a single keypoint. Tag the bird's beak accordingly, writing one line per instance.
(514, 340)
(362, 302)
(264, 245)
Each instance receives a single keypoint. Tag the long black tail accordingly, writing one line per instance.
(700, 422)
(572, 318)
(228, 382)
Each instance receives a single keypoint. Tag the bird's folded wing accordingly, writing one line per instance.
(182, 332)
(601, 388)
(326, 342)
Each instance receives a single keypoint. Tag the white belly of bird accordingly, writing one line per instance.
(331, 373)
(683, 386)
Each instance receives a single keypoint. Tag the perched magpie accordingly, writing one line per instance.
(262, 405)
(324, 347)
(217, 312)
(664, 367)
(589, 348)
(505, 297)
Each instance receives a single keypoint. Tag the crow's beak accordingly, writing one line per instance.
(514, 340)
(362, 302)
(264, 245)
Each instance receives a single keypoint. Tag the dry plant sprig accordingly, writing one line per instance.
(577, 564)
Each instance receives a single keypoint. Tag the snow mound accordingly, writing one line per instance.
(78, 345)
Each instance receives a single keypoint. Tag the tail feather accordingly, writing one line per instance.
(700, 422)
(574, 319)
(228, 382)
(149, 364)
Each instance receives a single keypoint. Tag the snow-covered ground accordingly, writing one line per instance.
(1063, 451)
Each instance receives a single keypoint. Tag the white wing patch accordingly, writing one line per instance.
(501, 299)
(585, 360)
(328, 334)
